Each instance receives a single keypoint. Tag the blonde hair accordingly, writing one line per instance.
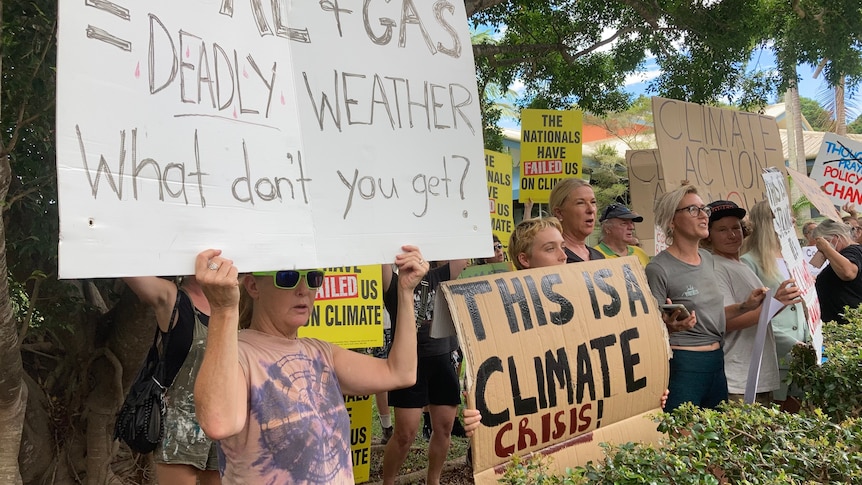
(562, 190)
(522, 238)
(763, 242)
(665, 208)
(246, 307)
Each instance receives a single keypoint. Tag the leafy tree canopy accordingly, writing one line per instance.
(570, 52)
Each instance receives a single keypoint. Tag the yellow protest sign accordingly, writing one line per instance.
(348, 308)
(498, 167)
(550, 151)
(359, 409)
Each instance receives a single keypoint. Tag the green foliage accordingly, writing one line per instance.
(580, 51)
(819, 118)
(855, 126)
(31, 219)
(534, 471)
(738, 443)
(836, 385)
(608, 177)
(27, 117)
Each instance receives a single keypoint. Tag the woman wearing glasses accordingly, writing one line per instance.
(274, 401)
(684, 273)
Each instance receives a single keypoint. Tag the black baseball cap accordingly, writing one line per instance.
(620, 211)
(725, 208)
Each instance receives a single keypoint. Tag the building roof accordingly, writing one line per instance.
(812, 140)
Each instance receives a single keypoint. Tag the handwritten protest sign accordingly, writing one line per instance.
(814, 194)
(720, 151)
(499, 171)
(550, 151)
(348, 308)
(838, 169)
(558, 359)
(646, 185)
(792, 253)
(281, 132)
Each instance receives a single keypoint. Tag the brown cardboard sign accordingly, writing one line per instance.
(646, 185)
(558, 359)
(720, 151)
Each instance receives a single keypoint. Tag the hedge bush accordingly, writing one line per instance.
(746, 443)
(836, 385)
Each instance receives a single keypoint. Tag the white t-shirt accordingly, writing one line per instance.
(736, 282)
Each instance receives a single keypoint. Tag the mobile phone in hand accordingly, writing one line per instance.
(669, 308)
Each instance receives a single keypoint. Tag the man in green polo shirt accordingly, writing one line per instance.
(618, 239)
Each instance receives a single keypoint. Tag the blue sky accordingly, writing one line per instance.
(762, 59)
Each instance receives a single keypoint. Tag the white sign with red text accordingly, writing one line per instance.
(838, 169)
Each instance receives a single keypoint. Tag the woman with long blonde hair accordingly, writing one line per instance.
(761, 251)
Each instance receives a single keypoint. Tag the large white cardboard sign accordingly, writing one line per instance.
(646, 185)
(792, 253)
(286, 133)
(558, 360)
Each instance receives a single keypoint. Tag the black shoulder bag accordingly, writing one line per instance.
(139, 423)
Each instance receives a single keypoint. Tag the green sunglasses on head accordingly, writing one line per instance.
(288, 279)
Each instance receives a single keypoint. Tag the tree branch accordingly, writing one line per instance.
(24, 193)
(605, 42)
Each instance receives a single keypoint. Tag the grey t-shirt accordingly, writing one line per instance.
(736, 281)
(695, 287)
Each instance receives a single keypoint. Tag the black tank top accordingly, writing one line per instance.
(182, 334)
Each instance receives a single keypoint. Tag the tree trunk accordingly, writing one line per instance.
(840, 110)
(13, 392)
(796, 146)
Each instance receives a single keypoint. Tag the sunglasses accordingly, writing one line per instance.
(498, 246)
(288, 279)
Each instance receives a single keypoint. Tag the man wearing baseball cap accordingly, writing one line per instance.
(618, 239)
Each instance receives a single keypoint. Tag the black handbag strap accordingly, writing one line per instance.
(160, 373)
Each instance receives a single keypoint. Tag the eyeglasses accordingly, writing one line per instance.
(288, 279)
(693, 210)
(498, 246)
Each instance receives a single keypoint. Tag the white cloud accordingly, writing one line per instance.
(643, 76)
